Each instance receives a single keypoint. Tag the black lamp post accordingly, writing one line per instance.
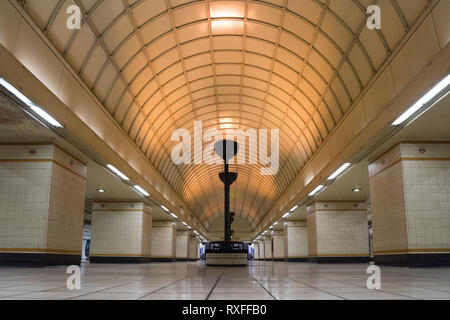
(227, 149)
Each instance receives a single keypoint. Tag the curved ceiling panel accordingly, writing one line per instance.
(158, 65)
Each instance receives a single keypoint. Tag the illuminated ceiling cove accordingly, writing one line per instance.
(158, 65)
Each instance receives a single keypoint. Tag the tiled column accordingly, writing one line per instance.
(164, 241)
(182, 251)
(296, 241)
(337, 232)
(267, 248)
(193, 247)
(278, 245)
(410, 202)
(42, 191)
(256, 251)
(121, 232)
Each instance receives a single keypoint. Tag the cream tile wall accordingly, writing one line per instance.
(312, 234)
(341, 228)
(163, 240)
(296, 239)
(193, 247)
(182, 251)
(268, 247)
(256, 254)
(426, 179)
(278, 244)
(421, 180)
(67, 194)
(120, 229)
(42, 192)
(421, 177)
(387, 202)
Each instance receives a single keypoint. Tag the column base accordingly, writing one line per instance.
(304, 259)
(39, 259)
(118, 259)
(338, 259)
(414, 260)
(163, 259)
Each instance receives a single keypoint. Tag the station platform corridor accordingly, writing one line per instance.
(192, 150)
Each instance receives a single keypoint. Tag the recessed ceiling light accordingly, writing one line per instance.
(174, 215)
(356, 189)
(101, 190)
(293, 208)
(424, 100)
(286, 215)
(164, 208)
(339, 171)
(117, 172)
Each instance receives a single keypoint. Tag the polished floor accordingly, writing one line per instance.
(195, 281)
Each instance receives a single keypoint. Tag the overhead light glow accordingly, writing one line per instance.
(101, 190)
(422, 101)
(117, 172)
(293, 208)
(316, 190)
(5, 84)
(184, 223)
(287, 214)
(38, 110)
(164, 208)
(141, 190)
(174, 215)
(356, 189)
(275, 223)
(44, 115)
(220, 9)
(339, 171)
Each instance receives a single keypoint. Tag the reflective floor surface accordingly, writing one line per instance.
(195, 281)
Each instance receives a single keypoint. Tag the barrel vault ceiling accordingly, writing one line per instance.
(293, 65)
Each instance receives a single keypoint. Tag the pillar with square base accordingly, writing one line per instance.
(338, 232)
(296, 241)
(278, 245)
(193, 247)
(164, 241)
(182, 250)
(268, 248)
(410, 202)
(121, 232)
(42, 190)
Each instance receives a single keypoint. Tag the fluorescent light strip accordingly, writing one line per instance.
(117, 172)
(38, 110)
(422, 101)
(275, 223)
(184, 223)
(316, 190)
(164, 208)
(293, 208)
(141, 191)
(174, 215)
(16, 92)
(287, 214)
(44, 115)
(339, 171)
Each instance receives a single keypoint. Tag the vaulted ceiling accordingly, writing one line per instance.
(158, 65)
